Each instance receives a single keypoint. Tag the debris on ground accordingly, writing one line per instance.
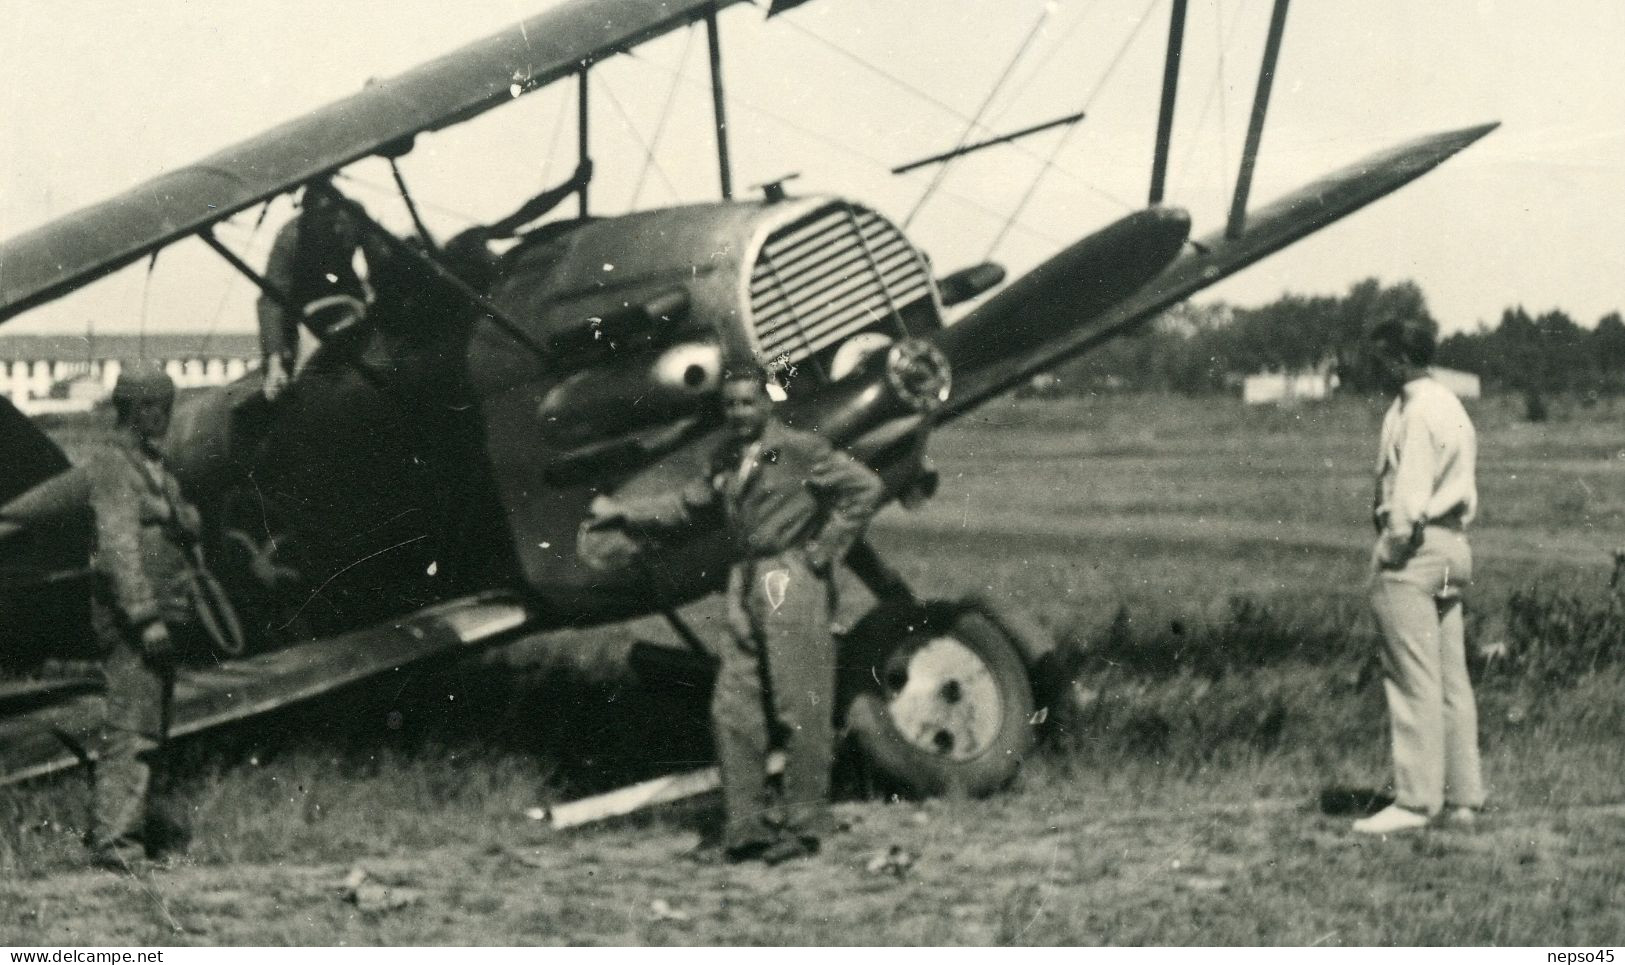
(373, 896)
(895, 861)
(531, 858)
(1201, 883)
(663, 911)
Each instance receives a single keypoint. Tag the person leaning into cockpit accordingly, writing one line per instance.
(468, 254)
(312, 263)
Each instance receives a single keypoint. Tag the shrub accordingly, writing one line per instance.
(1251, 635)
(1558, 634)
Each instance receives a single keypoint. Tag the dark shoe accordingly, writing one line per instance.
(742, 851)
(165, 833)
(789, 849)
(120, 858)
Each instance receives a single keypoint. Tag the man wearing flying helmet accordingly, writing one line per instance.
(143, 528)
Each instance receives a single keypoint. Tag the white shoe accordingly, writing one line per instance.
(1458, 817)
(1392, 819)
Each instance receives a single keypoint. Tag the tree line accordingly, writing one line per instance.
(1210, 348)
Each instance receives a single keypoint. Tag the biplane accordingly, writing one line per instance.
(421, 488)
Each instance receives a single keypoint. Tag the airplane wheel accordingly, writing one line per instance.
(938, 699)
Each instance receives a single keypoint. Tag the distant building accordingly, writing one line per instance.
(1285, 388)
(71, 373)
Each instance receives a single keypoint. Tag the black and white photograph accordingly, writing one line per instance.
(807, 473)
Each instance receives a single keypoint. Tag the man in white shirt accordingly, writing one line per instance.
(1425, 497)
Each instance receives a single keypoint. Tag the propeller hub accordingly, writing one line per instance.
(919, 374)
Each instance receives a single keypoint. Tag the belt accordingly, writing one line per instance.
(1450, 520)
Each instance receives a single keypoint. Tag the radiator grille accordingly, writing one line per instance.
(837, 272)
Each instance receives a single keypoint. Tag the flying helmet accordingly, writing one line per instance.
(143, 381)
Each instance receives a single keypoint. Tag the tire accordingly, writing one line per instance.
(938, 699)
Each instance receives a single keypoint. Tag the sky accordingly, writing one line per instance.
(97, 97)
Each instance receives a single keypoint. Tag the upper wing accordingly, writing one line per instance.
(46, 740)
(71, 251)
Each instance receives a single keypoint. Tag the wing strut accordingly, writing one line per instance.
(1170, 90)
(719, 108)
(582, 129)
(412, 207)
(1255, 127)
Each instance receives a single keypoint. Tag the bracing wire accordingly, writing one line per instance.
(878, 164)
(881, 72)
(1224, 124)
(631, 128)
(232, 278)
(411, 206)
(959, 115)
(146, 299)
(553, 142)
(371, 185)
(1069, 130)
(665, 115)
(1009, 68)
(1223, 39)
(1041, 63)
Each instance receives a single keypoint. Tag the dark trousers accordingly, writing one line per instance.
(777, 680)
(138, 699)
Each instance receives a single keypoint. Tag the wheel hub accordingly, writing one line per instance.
(945, 700)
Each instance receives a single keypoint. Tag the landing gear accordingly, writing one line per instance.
(935, 697)
(938, 697)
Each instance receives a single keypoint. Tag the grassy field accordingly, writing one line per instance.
(1203, 564)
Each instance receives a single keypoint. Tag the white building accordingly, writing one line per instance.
(48, 373)
(1285, 388)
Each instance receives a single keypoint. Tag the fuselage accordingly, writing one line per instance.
(465, 458)
(442, 451)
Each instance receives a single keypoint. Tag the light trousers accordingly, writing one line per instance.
(1431, 711)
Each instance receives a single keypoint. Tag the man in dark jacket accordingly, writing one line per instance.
(144, 530)
(792, 505)
(312, 262)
